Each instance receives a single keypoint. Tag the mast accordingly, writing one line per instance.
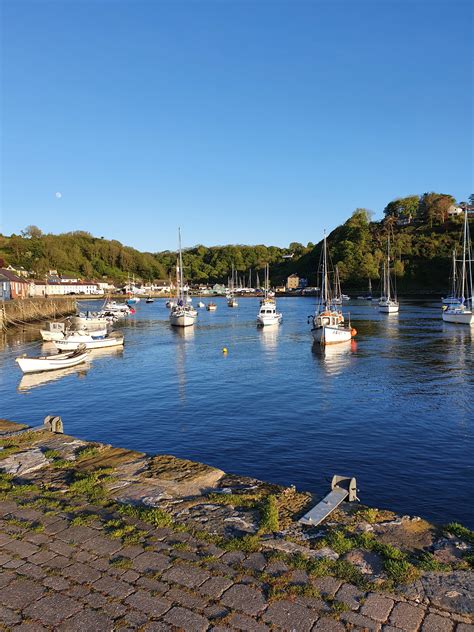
(180, 273)
(325, 273)
(453, 293)
(464, 246)
(388, 268)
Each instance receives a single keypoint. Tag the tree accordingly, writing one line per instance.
(403, 207)
(471, 198)
(434, 207)
(32, 231)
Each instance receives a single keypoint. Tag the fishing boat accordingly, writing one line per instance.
(462, 313)
(328, 324)
(76, 339)
(182, 314)
(268, 314)
(53, 331)
(231, 300)
(388, 303)
(211, 307)
(52, 362)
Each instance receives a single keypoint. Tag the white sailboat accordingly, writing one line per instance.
(182, 314)
(231, 300)
(328, 322)
(268, 314)
(462, 312)
(388, 304)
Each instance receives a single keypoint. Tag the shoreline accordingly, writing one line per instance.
(180, 508)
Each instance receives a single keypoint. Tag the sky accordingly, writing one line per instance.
(240, 121)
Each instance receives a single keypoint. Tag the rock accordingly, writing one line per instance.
(449, 551)
(23, 462)
(450, 591)
(292, 547)
(367, 562)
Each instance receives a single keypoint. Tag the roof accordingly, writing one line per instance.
(3, 278)
(12, 277)
(293, 276)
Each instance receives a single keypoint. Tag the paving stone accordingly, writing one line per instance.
(32, 571)
(377, 607)
(328, 624)
(8, 617)
(359, 620)
(37, 538)
(53, 609)
(81, 573)
(14, 563)
(157, 626)
(312, 602)
(58, 561)
(247, 624)
(244, 598)
(185, 598)
(327, 586)
(215, 611)
(22, 548)
(30, 626)
(77, 535)
(21, 592)
(255, 561)
(150, 561)
(88, 621)
(113, 587)
(233, 557)
(436, 623)
(406, 616)
(131, 551)
(134, 618)
(102, 546)
(78, 591)
(350, 595)
(215, 586)
(465, 627)
(4, 558)
(276, 568)
(6, 577)
(61, 548)
(130, 576)
(290, 616)
(146, 602)
(55, 527)
(186, 575)
(85, 556)
(152, 584)
(56, 582)
(101, 564)
(41, 557)
(186, 620)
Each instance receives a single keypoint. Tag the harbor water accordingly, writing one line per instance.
(393, 408)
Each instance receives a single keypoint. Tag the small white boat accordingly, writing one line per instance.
(328, 322)
(113, 306)
(211, 307)
(52, 362)
(201, 304)
(268, 314)
(388, 304)
(149, 299)
(53, 331)
(231, 300)
(463, 287)
(182, 314)
(76, 339)
(345, 297)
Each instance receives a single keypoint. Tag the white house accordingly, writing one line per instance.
(454, 211)
(41, 288)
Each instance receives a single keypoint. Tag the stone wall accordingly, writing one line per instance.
(20, 311)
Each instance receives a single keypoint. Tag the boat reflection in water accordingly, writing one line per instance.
(335, 358)
(34, 380)
(269, 336)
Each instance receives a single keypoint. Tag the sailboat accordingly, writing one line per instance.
(268, 314)
(452, 299)
(231, 300)
(387, 303)
(367, 297)
(462, 313)
(328, 322)
(182, 314)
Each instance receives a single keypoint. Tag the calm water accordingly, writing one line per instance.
(394, 409)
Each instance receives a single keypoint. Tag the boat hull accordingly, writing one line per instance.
(389, 308)
(50, 363)
(460, 318)
(327, 335)
(264, 321)
(182, 320)
(70, 345)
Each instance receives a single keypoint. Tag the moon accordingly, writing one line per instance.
(58, 194)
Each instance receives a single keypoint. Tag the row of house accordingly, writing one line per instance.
(13, 286)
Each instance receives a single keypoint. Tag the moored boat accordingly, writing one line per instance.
(462, 313)
(52, 362)
(76, 339)
(211, 307)
(268, 314)
(182, 314)
(388, 303)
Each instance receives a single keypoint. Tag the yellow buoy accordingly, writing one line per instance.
(224, 350)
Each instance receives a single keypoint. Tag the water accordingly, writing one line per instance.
(393, 409)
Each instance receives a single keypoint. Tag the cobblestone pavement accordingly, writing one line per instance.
(57, 574)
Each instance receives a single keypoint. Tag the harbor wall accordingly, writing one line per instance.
(18, 312)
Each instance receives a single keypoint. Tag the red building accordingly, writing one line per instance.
(18, 286)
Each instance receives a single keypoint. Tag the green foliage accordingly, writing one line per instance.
(86, 451)
(247, 544)
(459, 531)
(91, 484)
(156, 517)
(269, 520)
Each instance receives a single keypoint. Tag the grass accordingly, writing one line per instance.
(247, 501)
(86, 451)
(83, 519)
(427, 562)
(121, 562)
(128, 533)
(269, 520)
(37, 527)
(156, 517)
(91, 484)
(369, 514)
(247, 544)
(454, 528)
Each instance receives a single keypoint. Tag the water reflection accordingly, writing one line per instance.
(334, 358)
(269, 336)
(34, 380)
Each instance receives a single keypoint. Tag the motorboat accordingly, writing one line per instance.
(268, 314)
(76, 339)
(149, 299)
(53, 331)
(200, 304)
(211, 307)
(52, 362)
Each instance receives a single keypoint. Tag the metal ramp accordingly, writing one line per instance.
(342, 488)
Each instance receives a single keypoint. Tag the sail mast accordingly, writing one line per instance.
(180, 276)
(464, 246)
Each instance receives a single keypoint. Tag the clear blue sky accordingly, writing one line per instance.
(242, 121)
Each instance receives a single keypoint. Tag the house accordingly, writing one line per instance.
(18, 270)
(18, 286)
(404, 221)
(4, 288)
(292, 282)
(454, 211)
(43, 288)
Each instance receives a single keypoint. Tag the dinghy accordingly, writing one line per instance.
(76, 339)
(52, 362)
